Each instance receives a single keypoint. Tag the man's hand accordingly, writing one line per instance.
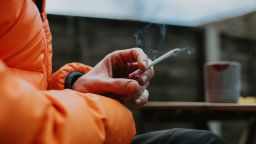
(111, 76)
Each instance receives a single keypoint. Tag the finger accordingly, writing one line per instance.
(121, 86)
(134, 55)
(146, 76)
(142, 99)
(133, 66)
(134, 97)
(141, 58)
(143, 88)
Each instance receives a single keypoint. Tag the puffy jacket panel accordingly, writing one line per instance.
(29, 115)
(23, 42)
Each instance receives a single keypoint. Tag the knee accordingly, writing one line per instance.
(210, 137)
(196, 136)
(207, 137)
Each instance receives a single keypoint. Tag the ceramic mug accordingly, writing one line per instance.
(222, 81)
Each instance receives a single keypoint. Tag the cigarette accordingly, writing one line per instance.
(172, 52)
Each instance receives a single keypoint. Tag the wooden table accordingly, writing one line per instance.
(199, 112)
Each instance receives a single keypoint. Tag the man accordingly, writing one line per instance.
(68, 106)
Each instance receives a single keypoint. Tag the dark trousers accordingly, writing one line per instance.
(178, 136)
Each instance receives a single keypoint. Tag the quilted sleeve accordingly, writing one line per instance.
(29, 115)
(66, 75)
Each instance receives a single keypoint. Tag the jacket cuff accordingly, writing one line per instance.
(67, 75)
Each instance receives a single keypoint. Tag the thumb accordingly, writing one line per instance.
(121, 86)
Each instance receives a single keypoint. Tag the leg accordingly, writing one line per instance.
(178, 136)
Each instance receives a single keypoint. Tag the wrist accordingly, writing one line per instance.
(71, 79)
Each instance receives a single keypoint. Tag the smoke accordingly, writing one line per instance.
(151, 39)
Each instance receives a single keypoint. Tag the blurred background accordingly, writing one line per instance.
(86, 31)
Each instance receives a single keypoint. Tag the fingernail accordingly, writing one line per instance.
(138, 101)
(145, 78)
(145, 63)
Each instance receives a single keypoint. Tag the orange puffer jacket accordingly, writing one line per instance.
(29, 113)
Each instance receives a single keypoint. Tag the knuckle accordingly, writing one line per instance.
(136, 49)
